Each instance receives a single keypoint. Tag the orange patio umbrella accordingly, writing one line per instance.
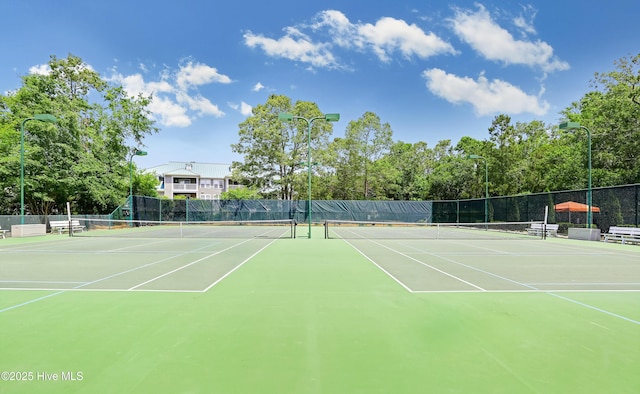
(572, 206)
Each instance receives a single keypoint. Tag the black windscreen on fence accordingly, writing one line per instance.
(612, 206)
(148, 208)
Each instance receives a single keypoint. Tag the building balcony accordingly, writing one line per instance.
(184, 186)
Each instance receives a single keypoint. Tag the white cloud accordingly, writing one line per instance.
(389, 35)
(293, 46)
(257, 87)
(522, 24)
(386, 36)
(245, 109)
(168, 113)
(44, 69)
(486, 97)
(495, 43)
(175, 99)
(41, 69)
(199, 74)
(525, 24)
(200, 105)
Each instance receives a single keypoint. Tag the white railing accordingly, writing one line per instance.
(185, 186)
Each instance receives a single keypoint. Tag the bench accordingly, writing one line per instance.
(2, 232)
(536, 229)
(623, 234)
(63, 226)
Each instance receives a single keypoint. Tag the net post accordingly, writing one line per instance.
(69, 219)
(544, 224)
(293, 228)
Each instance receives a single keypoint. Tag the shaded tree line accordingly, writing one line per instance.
(521, 158)
(83, 158)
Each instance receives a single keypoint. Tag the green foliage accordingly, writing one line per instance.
(241, 193)
(145, 184)
(83, 158)
(521, 158)
(275, 151)
(366, 141)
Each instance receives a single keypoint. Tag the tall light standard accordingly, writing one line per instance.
(42, 118)
(287, 117)
(486, 185)
(136, 152)
(575, 126)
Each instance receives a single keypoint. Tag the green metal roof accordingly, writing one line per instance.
(192, 169)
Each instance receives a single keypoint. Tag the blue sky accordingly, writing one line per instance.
(433, 70)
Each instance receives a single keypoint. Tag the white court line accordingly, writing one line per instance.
(382, 269)
(236, 267)
(430, 266)
(419, 262)
(549, 291)
(188, 265)
(41, 281)
(78, 290)
(531, 288)
(595, 308)
(585, 284)
(58, 291)
(30, 301)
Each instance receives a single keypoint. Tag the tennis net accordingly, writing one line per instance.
(403, 230)
(206, 229)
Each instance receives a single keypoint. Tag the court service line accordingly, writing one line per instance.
(551, 293)
(236, 267)
(430, 266)
(96, 290)
(41, 281)
(187, 265)
(30, 301)
(439, 256)
(595, 308)
(92, 282)
(382, 269)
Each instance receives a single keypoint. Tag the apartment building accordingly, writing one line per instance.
(205, 181)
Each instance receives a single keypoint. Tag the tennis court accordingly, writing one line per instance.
(257, 309)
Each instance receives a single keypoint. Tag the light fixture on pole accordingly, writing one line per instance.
(287, 117)
(575, 126)
(486, 185)
(136, 152)
(42, 118)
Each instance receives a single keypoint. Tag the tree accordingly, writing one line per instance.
(504, 159)
(241, 193)
(144, 184)
(274, 151)
(612, 113)
(83, 157)
(453, 176)
(366, 140)
(405, 171)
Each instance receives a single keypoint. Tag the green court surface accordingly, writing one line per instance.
(276, 315)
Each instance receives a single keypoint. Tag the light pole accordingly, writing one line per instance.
(287, 117)
(136, 152)
(42, 118)
(575, 126)
(486, 185)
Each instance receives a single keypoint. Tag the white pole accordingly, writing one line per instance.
(69, 218)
